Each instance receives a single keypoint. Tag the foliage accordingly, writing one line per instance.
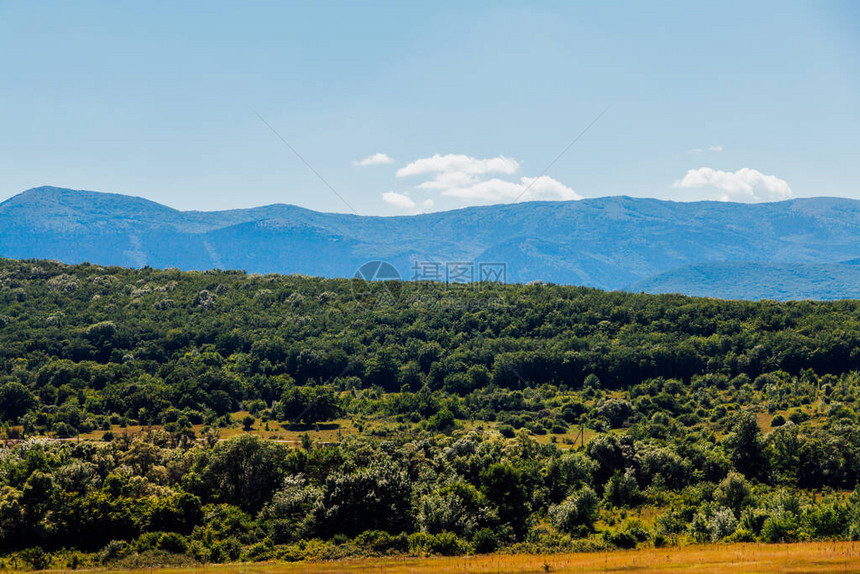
(559, 421)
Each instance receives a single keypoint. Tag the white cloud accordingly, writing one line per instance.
(476, 181)
(547, 188)
(695, 150)
(499, 191)
(398, 200)
(459, 164)
(375, 159)
(745, 185)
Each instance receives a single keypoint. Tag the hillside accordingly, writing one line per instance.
(160, 417)
(778, 281)
(609, 243)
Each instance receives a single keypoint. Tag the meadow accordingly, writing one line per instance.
(739, 558)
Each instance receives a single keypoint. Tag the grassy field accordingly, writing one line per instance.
(330, 432)
(740, 558)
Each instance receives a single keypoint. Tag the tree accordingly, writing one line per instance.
(377, 497)
(15, 401)
(577, 513)
(309, 405)
(734, 493)
(746, 449)
(244, 471)
(622, 489)
(503, 484)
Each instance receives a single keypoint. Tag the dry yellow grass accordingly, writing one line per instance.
(331, 432)
(739, 558)
(327, 433)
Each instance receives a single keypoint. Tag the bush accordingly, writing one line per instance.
(798, 416)
(173, 543)
(628, 536)
(260, 551)
(722, 524)
(114, 550)
(36, 558)
(485, 541)
(576, 515)
(780, 527)
(226, 550)
(620, 539)
(443, 421)
(444, 544)
(826, 521)
(64, 430)
(734, 493)
(622, 489)
(382, 542)
(752, 520)
(147, 541)
(741, 535)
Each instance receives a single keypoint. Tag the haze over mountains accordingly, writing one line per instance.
(802, 248)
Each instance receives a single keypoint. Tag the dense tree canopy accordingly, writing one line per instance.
(533, 417)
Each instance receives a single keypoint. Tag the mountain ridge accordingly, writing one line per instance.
(755, 280)
(609, 242)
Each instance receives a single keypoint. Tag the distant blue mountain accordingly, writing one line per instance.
(610, 242)
(745, 280)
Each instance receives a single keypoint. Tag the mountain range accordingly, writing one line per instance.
(801, 248)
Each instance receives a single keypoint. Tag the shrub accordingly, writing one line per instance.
(797, 416)
(382, 542)
(64, 430)
(173, 543)
(443, 421)
(722, 524)
(780, 527)
(114, 550)
(752, 520)
(734, 493)
(485, 541)
(444, 544)
(622, 489)
(260, 551)
(225, 550)
(147, 541)
(576, 515)
(620, 538)
(36, 558)
(826, 520)
(628, 536)
(741, 535)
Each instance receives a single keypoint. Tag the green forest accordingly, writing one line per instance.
(156, 417)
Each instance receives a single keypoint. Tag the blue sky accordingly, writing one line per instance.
(470, 102)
